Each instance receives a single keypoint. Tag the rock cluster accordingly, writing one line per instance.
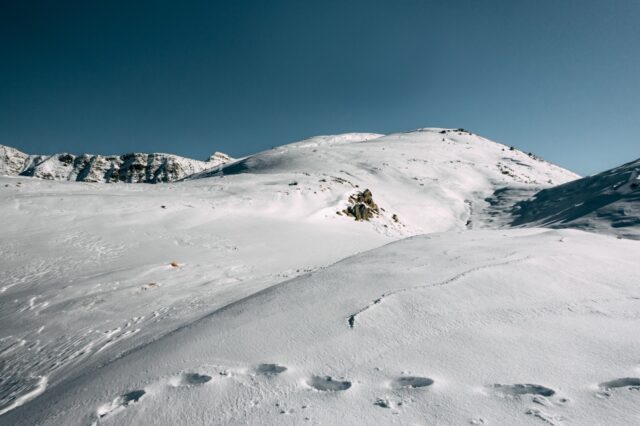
(362, 206)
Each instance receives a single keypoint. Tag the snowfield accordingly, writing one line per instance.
(248, 294)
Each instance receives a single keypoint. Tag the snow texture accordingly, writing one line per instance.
(244, 295)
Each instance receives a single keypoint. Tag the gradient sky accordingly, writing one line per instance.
(559, 78)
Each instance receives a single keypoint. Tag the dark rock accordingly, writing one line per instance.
(362, 206)
(66, 159)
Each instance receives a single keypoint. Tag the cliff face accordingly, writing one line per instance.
(12, 161)
(131, 168)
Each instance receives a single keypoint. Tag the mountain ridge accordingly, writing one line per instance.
(608, 201)
(130, 167)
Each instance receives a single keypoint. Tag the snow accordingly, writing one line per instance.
(12, 161)
(608, 202)
(510, 326)
(240, 296)
(131, 168)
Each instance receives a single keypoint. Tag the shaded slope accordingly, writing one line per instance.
(606, 202)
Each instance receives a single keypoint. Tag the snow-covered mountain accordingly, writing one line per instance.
(131, 168)
(291, 286)
(607, 202)
(431, 179)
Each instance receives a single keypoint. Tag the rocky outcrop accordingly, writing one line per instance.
(362, 206)
(12, 161)
(130, 168)
(218, 159)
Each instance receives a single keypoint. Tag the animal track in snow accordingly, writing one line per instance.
(412, 382)
(269, 369)
(328, 384)
(523, 389)
(351, 319)
(190, 379)
(627, 382)
(120, 403)
(633, 383)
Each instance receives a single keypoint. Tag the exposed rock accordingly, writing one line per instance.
(12, 161)
(362, 206)
(218, 158)
(130, 168)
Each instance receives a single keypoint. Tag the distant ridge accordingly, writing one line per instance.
(129, 168)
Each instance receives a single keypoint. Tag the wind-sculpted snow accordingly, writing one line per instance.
(607, 202)
(540, 340)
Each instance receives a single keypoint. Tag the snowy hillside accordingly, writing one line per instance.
(131, 168)
(480, 327)
(607, 202)
(432, 179)
(211, 299)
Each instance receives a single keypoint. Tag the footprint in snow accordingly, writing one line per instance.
(269, 369)
(120, 403)
(632, 383)
(522, 389)
(190, 379)
(412, 382)
(328, 384)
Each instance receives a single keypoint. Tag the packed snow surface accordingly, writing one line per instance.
(248, 294)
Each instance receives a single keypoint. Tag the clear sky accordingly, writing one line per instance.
(559, 78)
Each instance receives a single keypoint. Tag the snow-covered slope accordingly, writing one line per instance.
(131, 168)
(85, 269)
(432, 179)
(526, 327)
(92, 274)
(606, 202)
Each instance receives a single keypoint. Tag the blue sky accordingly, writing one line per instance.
(559, 78)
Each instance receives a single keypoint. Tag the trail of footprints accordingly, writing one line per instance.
(539, 394)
